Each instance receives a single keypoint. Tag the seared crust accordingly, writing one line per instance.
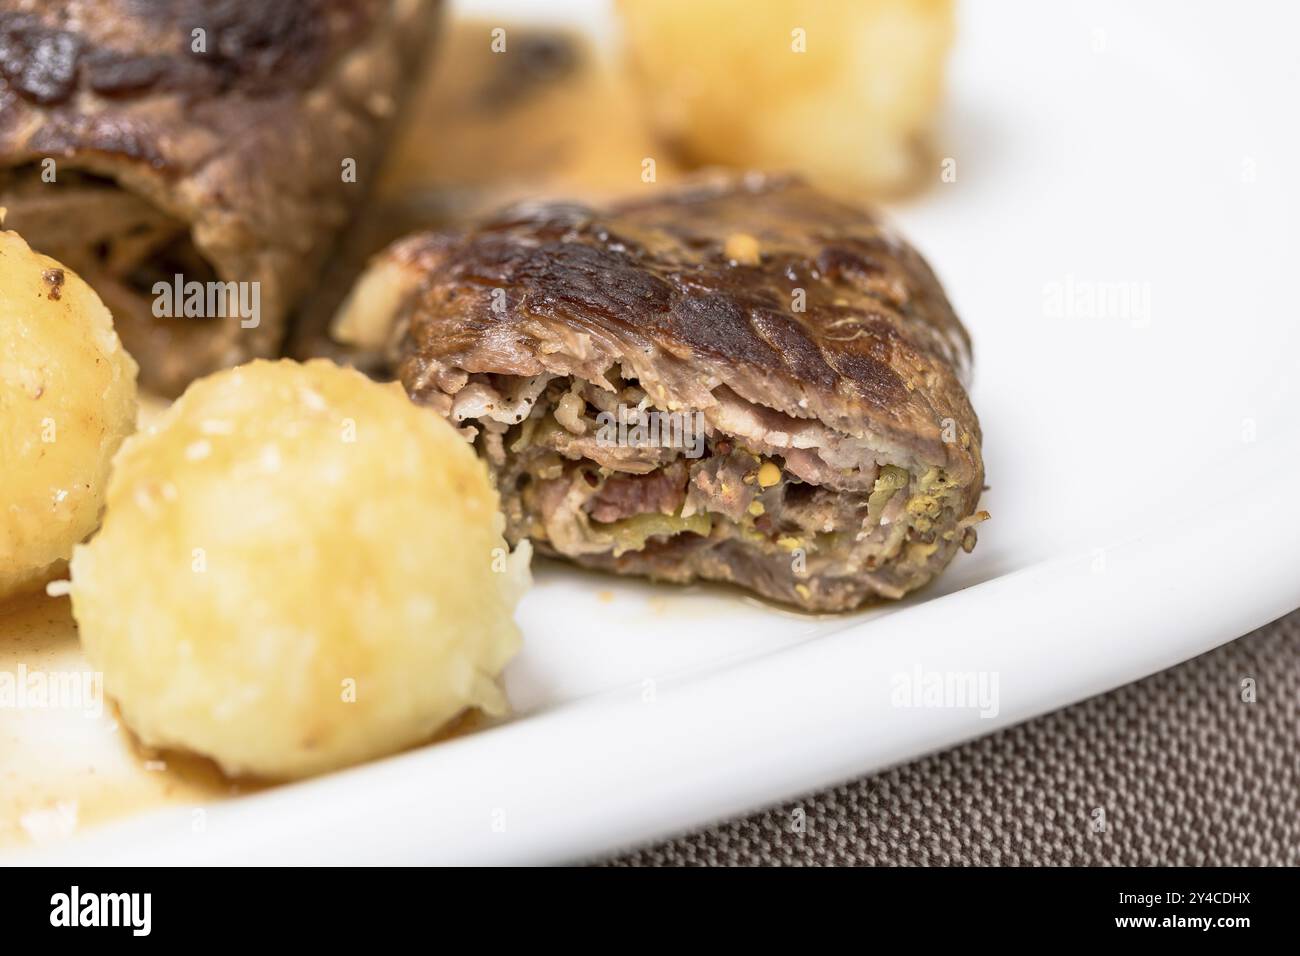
(801, 329)
(877, 351)
(231, 117)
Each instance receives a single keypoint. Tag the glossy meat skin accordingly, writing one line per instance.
(203, 135)
(804, 330)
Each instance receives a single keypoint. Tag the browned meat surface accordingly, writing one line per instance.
(201, 138)
(841, 457)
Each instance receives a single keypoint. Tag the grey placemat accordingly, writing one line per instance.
(1175, 769)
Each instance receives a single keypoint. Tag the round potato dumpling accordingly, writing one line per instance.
(843, 91)
(67, 399)
(298, 569)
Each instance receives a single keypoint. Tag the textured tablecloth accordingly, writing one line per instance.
(1184, 771)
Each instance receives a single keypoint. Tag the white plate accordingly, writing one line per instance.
(1142, 455)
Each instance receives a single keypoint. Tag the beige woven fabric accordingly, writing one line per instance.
(1184, 770)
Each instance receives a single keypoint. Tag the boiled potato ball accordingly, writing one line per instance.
(844, 91)
(67, 399)
(298, 569)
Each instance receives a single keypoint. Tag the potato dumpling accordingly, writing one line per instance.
(298, 569)
(67, 399)
(844, 91)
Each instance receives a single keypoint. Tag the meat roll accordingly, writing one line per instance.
(742, 380)
(222, 142)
